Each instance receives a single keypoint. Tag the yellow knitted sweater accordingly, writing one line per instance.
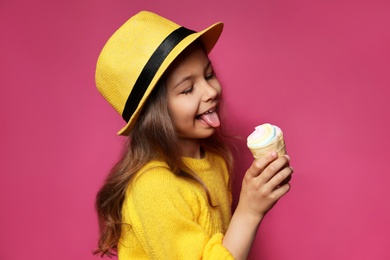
(169, 217)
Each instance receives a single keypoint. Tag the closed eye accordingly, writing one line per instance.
(209, 76)
(209, 72)
(188, 90)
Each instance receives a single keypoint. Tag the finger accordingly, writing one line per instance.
(273, 168)
(281, 178)
(281, 191)
(288, 179)
(260, 164)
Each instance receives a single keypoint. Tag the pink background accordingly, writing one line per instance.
(318, 69)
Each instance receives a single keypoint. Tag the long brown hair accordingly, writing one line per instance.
(152, 138)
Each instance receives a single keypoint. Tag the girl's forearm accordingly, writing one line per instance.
(241, 233)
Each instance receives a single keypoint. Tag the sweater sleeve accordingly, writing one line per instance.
(170, 218)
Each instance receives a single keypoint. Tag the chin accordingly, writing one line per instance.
(208, 133)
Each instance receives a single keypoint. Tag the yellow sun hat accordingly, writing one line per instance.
(137, 55)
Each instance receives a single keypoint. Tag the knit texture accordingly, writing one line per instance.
(168, 217)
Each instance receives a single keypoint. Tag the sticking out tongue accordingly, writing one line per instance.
(211, 119)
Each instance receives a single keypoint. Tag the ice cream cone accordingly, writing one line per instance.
(277, 146)
(276, 143)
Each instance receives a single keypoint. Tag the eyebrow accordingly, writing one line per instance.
(208, 65)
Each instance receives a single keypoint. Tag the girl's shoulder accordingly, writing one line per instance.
(156, 173)
(154, 165)
(156, 182)
(153, 170)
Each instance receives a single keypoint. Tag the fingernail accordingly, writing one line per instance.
(288, 157)
(274, 154)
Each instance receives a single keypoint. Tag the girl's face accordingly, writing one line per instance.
(193, 96)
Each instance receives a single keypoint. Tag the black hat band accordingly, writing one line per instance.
(150, 69)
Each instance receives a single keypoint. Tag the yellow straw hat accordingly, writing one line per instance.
(136, 56)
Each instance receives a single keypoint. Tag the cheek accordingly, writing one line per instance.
(181, 109)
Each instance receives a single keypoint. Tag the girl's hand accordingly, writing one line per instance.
(264, 183)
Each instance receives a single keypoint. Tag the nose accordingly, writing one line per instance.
(210, 92)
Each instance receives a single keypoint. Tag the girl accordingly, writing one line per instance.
(168, 196)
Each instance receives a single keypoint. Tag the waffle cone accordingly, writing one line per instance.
(278, 146)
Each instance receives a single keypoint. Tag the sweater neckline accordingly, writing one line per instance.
(198, 164)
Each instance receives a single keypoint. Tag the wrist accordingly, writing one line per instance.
(252, 219)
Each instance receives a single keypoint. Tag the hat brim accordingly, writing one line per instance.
(208, 36)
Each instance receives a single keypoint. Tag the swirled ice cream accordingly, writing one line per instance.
(266, 138)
